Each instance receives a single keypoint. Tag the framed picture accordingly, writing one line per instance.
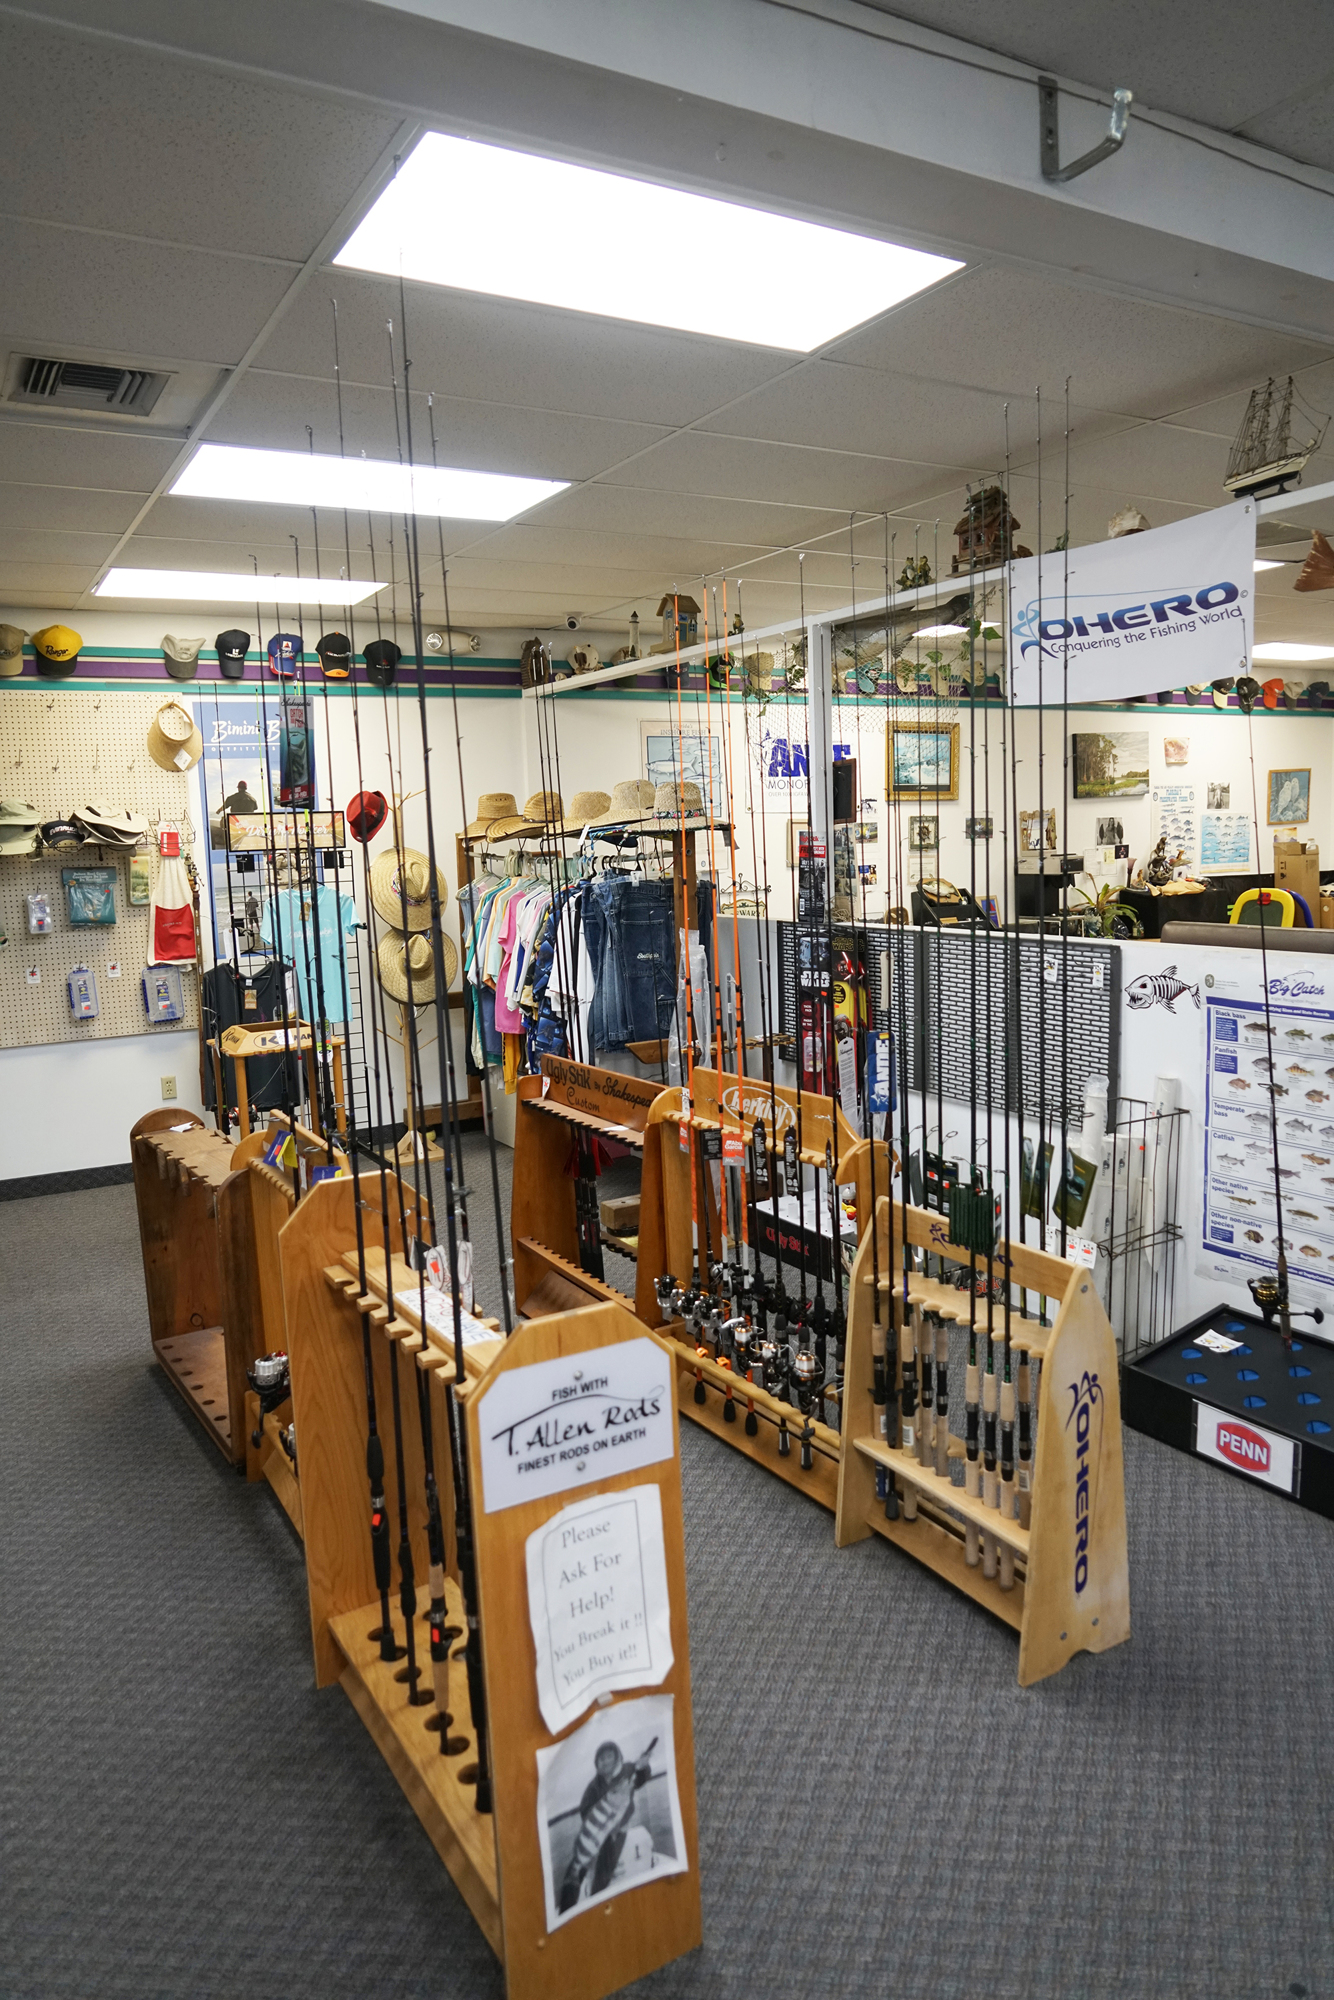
(992, 911)
(923, 832)
(924, 760)
(693, 757)
(1289, 798)
(1111, 832)
(1112, 766)
(1030, 830)
(978, 829)
(1218, 798)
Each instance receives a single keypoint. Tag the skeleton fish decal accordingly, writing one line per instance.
(1160, 989)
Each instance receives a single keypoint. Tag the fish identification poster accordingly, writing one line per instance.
(1247, 1057)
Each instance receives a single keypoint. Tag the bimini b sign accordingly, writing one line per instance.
(1157, 610)
(573, 1421)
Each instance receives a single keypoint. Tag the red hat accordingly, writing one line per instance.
(366, 814)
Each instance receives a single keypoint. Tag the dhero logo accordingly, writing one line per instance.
(1216, 600)
(1242, 1446)
(1086, 1417)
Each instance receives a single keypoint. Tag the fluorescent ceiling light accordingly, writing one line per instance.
(941, 632)
(1279, 649)
(362, 485)
(209, 586)
(1262, 563)
(484, 219)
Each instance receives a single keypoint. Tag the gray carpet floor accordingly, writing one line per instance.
(882, 1810)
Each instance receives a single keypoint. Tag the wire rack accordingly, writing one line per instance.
(1137, 1261)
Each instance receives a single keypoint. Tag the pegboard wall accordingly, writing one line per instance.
(1019, 1023)
(58, 751)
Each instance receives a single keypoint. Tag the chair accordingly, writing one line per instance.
(1280, 907)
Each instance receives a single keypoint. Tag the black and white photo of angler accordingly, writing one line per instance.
(608, 1812)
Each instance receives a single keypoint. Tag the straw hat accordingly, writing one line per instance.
(680, 802)
(631, 801)
(492, 806)
(401, 958)
(392, 890)
(111, 826)
(174, 740)
(542, 809)
(585, 808)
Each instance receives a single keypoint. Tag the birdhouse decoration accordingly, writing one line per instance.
(680, 623)
(986, 532)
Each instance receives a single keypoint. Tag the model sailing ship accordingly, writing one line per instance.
(1266, 455)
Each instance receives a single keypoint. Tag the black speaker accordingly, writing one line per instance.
(845, 791)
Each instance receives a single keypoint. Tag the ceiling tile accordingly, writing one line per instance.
(115, 461)
(275, 409)
(66, 508)
(697, 462)
(110, 137)
(520, 541)
(247, 524)
(867, 410)
(66, 288)
(1008, 332)
(757, 523)
(503, 350)
(18, 579)
(32, 545)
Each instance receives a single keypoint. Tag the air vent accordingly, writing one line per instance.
(85, 385)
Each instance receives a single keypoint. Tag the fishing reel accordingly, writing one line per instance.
(270, 1378)
(287, 1439)
(1271, 1298)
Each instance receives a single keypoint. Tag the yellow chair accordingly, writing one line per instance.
(1280, 908)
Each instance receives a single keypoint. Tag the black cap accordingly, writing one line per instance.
(335, 651)
(232, 648)
(382, 657)
(1247, 690)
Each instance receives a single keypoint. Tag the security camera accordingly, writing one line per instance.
(572, 621)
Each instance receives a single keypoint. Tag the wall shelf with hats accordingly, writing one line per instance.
(98, 774)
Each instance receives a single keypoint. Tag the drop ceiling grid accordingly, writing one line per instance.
(58, 751)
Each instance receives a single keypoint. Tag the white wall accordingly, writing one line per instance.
(72, 1106)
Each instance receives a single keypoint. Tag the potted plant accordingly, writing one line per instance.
(1104, 915)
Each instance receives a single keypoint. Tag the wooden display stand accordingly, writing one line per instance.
(1071, 1591)
(494, 1858)
(274, 1038)
(565, 1098)
(665, 1245)
(209, 1217)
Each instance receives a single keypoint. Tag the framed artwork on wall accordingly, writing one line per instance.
(1289, 798)
(924, 760)
(923, 832)
(1111, 766)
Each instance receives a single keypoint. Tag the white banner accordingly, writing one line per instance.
(1158, 610)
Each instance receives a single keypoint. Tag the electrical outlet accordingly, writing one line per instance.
(168, 1086)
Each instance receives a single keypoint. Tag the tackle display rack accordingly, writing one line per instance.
(1059, 1577)
(709, 1391)
(1226, 1389)
(493, 1858)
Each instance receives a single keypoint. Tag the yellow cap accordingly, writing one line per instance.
(57, 649)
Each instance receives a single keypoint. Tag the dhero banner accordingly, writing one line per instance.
(1162, 609)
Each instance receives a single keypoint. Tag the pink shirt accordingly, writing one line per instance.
(509, 1021)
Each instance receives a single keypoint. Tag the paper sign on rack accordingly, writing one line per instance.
(598, 1601)
(599, 1412)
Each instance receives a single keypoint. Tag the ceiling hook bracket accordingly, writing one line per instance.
(1049, 133)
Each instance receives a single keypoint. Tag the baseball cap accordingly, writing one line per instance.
(284, 654)
(57, 650)
(232, 647)
(61, 835)
(181, 656)
(11, 651)
(382, 657)
(1247, 689)
(335, 651)
(1222, 689)
(366, 814)
(1271, 690)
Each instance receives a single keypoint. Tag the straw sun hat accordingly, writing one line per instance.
(174, 740)
(630, 802)
(401, 888)
(542, 809)
(403, 959)
(492, 806)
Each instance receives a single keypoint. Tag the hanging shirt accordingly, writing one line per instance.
(314, 921)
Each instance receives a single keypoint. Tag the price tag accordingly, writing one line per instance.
(734, 1148)
(34, 977)
(113, 970)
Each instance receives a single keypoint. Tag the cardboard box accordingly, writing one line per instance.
(1297, 867)
(1325, 917)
